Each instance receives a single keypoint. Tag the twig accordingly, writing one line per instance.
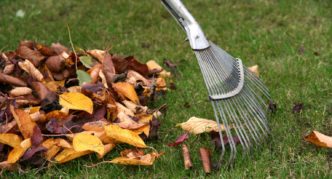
(72, 46)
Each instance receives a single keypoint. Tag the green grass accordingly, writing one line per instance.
(264, 32)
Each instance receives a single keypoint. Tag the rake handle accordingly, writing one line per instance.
(194, 32)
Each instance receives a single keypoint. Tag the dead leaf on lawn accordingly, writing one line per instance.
(76, 101)
(124, 136)
(133, 157)
(17, 152)
(84, 142)
(199, 125)
(254, 69)
(12, 140)
(319, 139)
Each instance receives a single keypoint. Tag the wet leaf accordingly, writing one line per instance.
(319, 139)
(76, 101)
(179, 140)
(124, 136)
(84, 142)
(199, 125)
(83, 77)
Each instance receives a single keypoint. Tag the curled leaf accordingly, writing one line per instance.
(24, 121)
(319, 139)
(136, 158)
(179, 140)
(76, 101)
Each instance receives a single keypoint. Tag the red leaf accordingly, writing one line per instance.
(179, 140)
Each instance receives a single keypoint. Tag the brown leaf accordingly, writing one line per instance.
(254, 69)
(319, 139)
(20, 91)
(126, 122)
(11, 80)
(55, 63)
(179, 140)
(108, 69)
(134, 157)
(98, 54)
(24, 122)
(32, 55)
(133, 64)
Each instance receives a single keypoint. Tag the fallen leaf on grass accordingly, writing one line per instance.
(254, 69)
(199, 125)
(134, 157)
(319, 139)
(76, 101)
(83, 142)
(179, 140)
(297, 108)
(17, 152)
(12, 140)
(124, 135)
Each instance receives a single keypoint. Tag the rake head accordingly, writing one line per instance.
(238, 98)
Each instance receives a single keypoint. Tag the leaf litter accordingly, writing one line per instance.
(57, 105)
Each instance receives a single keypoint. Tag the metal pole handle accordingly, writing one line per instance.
(194, 32)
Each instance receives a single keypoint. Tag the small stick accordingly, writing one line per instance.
(186, 157)
(205, 157)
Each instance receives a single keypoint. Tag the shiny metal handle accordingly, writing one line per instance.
(194, 32)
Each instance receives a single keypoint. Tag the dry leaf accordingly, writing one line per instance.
(12, 140)
(254, 69)
(127, 90)
(20, 91)
(153, 66)
(76, 101)
(124, 135)
(136, 158)
(69, 154)
(17, 152)
(127, 123)
(24, 121)
(95, 126)
(199, 125)
(145, 129)
(319, 139)
(123, 109)
(84, 142)
(28, 67)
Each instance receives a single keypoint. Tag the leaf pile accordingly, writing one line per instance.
(57, 105)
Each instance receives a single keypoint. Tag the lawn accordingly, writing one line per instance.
(289, 40)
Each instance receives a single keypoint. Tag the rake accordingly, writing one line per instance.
(239, 98)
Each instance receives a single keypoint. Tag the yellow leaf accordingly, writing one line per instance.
(153, 66)
(127, 90)
(24, 121)
(69, 154)
(76, 101)
(17, 152)
(84, 142)
(319, 139)
(124, 135)
(95, 125)
(199, 125)
(12, 140)
(145, 129)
